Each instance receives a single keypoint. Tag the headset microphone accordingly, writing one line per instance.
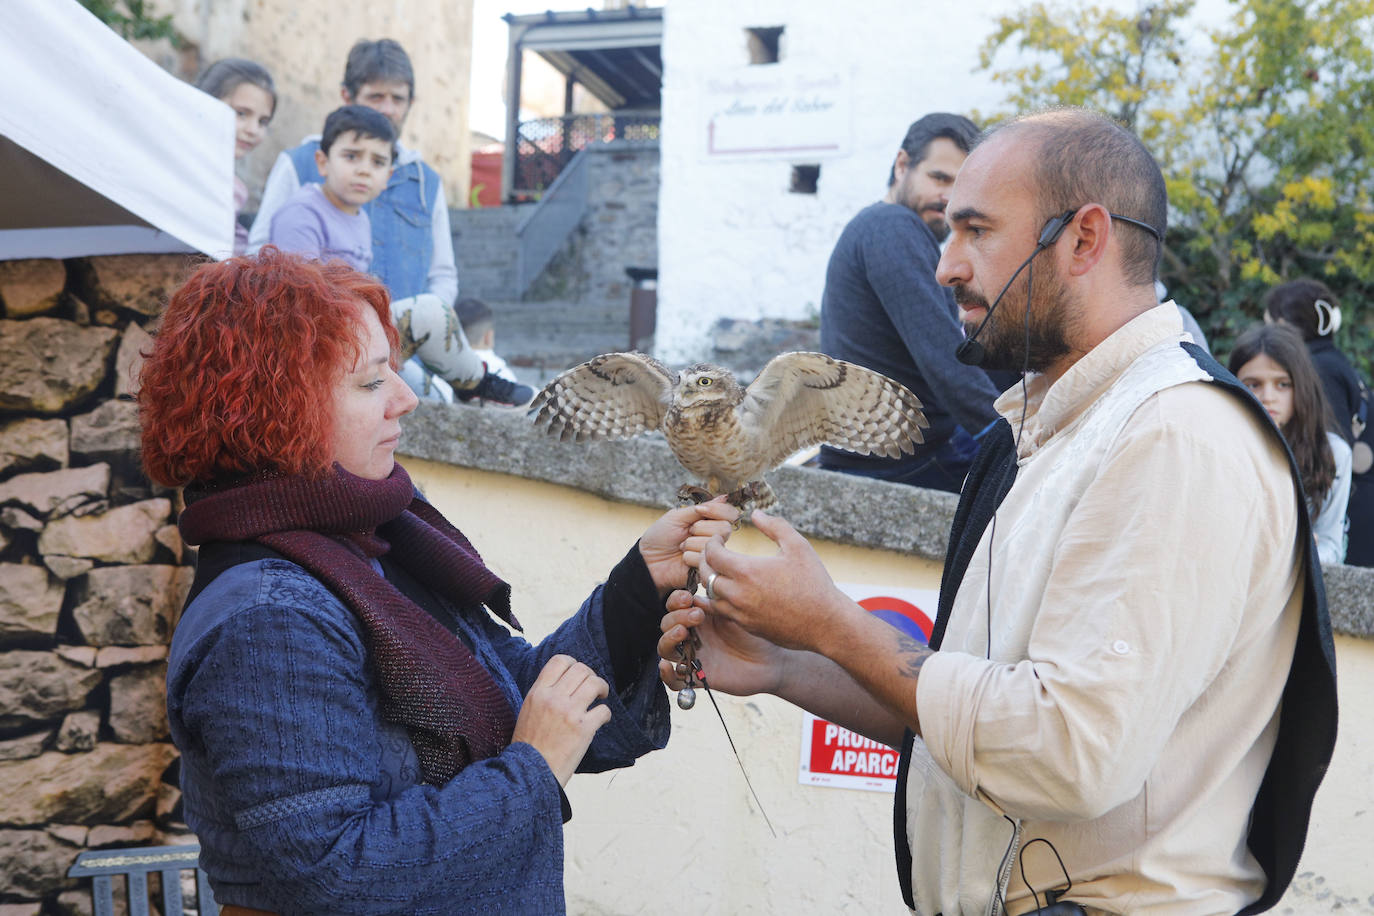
(971, 352)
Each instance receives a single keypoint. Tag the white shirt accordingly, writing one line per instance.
(1328, 525)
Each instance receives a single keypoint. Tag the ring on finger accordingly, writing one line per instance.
(711, 586)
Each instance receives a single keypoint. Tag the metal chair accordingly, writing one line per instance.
(169, 861)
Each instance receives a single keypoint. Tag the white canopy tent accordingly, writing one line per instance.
(101, 150)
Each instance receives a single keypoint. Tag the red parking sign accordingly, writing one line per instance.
(837, 757)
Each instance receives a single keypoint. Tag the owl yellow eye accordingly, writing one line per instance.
(704, 382)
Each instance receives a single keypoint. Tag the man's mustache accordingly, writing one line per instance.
(965, 296)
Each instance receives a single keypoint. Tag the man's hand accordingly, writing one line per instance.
(558, 718)
(674, 542)
(788, 599)
(868, 667)
(732, 660)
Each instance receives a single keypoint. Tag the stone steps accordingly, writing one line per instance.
(485, 250)
(579, 306)
(553, 335)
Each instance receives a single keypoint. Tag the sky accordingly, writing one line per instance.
(490, 38)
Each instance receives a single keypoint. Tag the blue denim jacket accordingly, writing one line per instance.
(402, 221)
(306, 800)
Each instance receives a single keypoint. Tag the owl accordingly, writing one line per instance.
(726, 435)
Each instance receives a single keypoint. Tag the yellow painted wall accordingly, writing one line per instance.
(1337, 869)
(679, 832)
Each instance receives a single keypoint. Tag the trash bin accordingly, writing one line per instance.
(643, 306)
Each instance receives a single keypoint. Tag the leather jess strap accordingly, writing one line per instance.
(232, 910)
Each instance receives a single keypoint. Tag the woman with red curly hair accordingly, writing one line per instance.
(359, 732)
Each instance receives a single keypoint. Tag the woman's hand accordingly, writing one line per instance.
(732, 660)
(558, 718)
(675, 541)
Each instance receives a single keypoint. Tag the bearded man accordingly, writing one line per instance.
(1133, 698)
(883, 309)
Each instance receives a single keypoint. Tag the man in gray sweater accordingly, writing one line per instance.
(883, 309)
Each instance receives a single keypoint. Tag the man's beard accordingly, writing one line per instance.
(1006, 336)
(932, 214)
(938, 226)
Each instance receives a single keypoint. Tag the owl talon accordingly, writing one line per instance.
(692, 495)
(756, 494)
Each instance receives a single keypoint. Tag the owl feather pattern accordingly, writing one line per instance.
(726, 435)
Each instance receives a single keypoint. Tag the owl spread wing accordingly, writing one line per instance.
(613, 396)
(803, 399)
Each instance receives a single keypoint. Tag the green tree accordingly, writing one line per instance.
(1263, 127)
(132, 19)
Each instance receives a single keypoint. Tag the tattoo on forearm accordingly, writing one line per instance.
(911, 655)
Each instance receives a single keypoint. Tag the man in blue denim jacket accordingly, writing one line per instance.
(412, 243)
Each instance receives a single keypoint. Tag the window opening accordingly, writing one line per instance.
(805, 178)
(763, 44)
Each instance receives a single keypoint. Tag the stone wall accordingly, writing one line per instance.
(580, 305)
(92, 577)
(485, 251)
(619, 230)
(304, 44)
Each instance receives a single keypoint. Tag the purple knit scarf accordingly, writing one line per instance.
(431, 682)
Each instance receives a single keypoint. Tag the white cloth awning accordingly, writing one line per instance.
(101, 150)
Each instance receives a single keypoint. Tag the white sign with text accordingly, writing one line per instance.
(779, 111)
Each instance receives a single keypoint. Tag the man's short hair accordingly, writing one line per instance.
(1084, 157)
(380, 61)
(475, 316)
(955, 128)
(360, 120)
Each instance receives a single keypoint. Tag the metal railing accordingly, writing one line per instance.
(542, 231)
(545, 147)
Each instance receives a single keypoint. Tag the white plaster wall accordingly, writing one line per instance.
(733, 241)
(1334, 872)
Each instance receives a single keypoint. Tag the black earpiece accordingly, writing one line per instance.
(1139, 224)
(1054, 228)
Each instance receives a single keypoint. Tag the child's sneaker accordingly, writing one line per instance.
(493, 389)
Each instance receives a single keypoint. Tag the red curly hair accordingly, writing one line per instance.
(244, 365)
